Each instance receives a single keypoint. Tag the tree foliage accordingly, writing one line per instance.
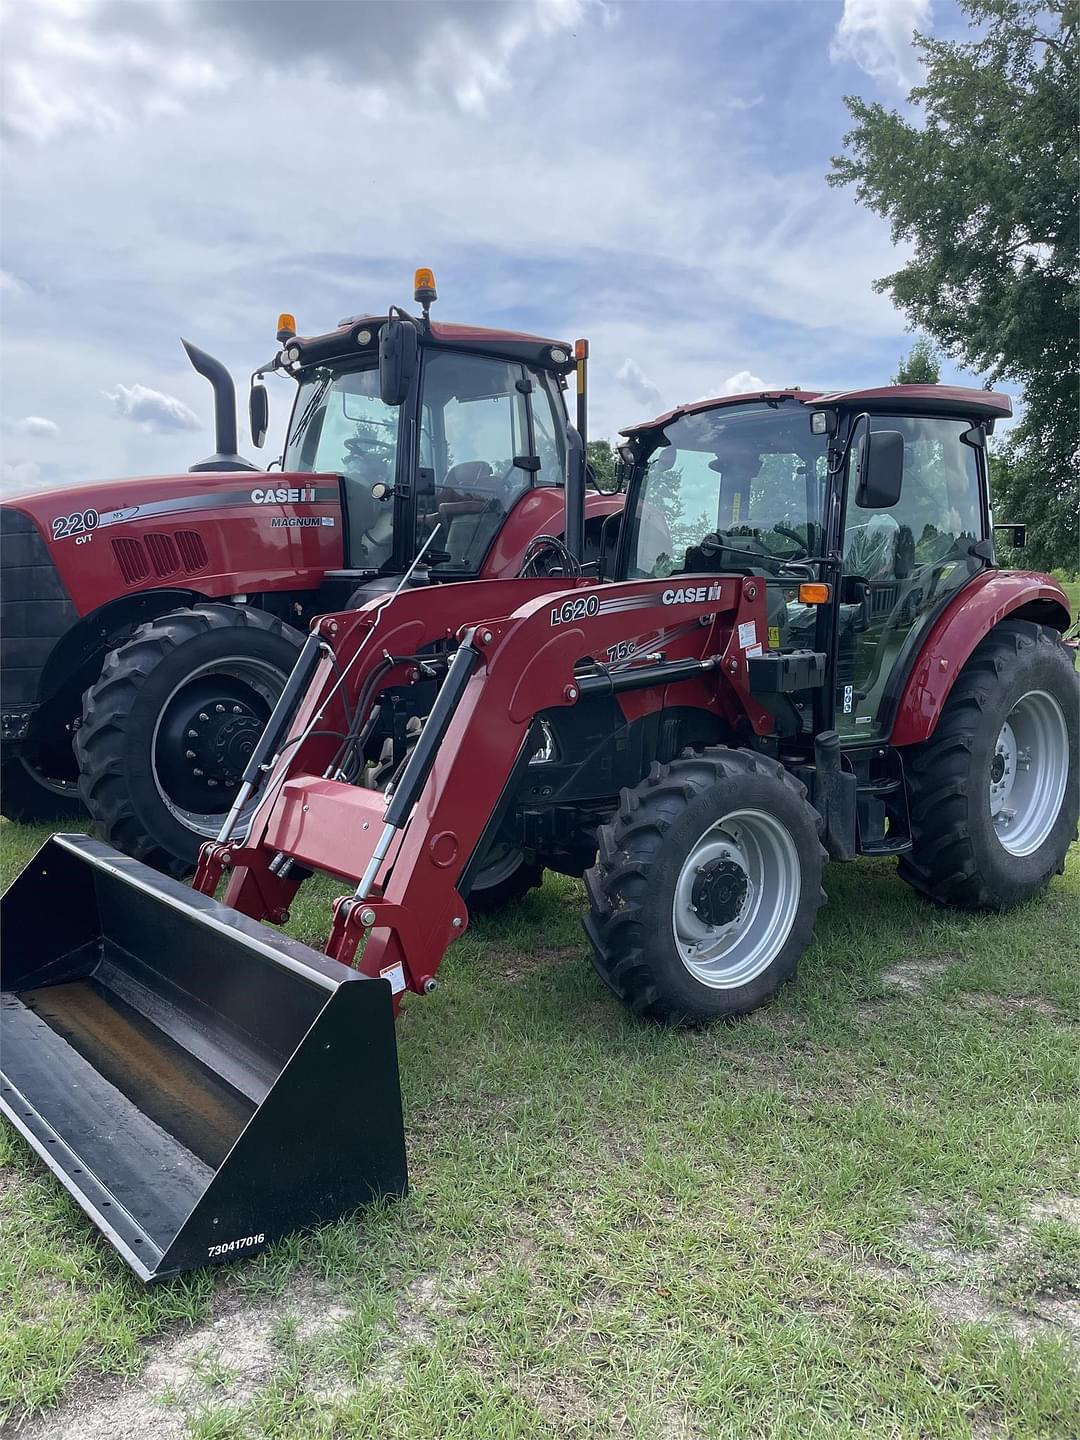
(985, 192)
(603, 460)
(921, 367)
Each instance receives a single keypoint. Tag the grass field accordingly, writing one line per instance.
(854, 1214)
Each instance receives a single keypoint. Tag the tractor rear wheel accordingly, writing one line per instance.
(706, 886)
(994, 793)
(169, 725)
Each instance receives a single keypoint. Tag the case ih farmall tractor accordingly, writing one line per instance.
(157, 619)
(798, 648)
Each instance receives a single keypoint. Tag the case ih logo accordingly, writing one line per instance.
(305, 495)
(690, 595)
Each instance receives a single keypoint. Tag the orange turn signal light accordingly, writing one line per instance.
(581, 349)
(286, 326)
(813, 594)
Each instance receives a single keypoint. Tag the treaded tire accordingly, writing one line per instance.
(632, 886)
(486, 899)
(121, 710)
(26, 800)
(957, 858)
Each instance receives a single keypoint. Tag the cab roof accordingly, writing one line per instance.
(482, 339)
(885, 399)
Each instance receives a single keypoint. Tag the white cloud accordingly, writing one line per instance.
(36, 425)
(741, 383)
(16, 475)
(10, 284)
(153, 409)
(631, 376)
(876, 35)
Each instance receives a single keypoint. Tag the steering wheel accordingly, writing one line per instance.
(792, 535)
(547, 544)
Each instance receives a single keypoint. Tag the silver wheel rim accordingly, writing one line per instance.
(268, 682)
(1029, 772)
(763, 904)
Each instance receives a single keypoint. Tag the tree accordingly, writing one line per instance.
(985, 191)
(921, 367)
(603, 460)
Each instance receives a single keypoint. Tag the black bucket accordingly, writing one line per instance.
(199, 1083)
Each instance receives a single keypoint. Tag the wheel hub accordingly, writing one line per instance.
(220, 741)
(719, 891)
(204, 741)
(1028, 773)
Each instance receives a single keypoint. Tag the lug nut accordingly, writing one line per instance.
(212, 784)
(189, 754)
(193, 734)
(236, 710)
(196, 771)
(203, 716)
(219, 709)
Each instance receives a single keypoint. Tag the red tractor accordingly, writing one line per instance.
(157, 619)
(798, 648)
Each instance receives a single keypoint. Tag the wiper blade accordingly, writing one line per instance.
(310, 408)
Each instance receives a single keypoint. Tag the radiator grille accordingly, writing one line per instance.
(163, 554)
(192, 550)
(131, 557)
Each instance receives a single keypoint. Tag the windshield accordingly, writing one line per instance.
(340, 426)
(739, 488)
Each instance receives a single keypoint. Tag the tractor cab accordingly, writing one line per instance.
(437, 431)
(862, 513)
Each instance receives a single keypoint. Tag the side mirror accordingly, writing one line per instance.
(398, 348)
(1014, 535)
(258, 415)
(880, 469)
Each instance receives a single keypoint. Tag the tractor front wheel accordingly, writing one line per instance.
(706, 886)
(171, 722)
(994, 792)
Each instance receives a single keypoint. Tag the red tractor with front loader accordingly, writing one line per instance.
(156, 620)
(798, 647)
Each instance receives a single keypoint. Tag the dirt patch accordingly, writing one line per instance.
(515, 965)
(915, 973)
(1057, 1207)
(1013, 1005)
(226, 1361)
(961, 1281)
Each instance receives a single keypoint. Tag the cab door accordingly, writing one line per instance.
(902, 563)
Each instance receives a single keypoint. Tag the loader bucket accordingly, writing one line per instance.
(198, 1082)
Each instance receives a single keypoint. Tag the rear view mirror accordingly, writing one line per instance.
(1014, 535)
(880, 469)
(397, 358)
(259, 415)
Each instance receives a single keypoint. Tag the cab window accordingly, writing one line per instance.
(474, 424)
(909, 558)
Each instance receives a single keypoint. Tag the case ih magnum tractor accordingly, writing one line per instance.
(157, 619)
(799, 647)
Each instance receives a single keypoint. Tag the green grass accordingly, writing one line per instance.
(844, 1216)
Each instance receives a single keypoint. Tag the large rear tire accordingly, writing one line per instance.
(706, 887)
(994, 793)
(169, 726)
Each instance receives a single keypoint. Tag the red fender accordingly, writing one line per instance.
(972, 613)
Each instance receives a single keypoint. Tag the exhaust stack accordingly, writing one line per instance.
(225, 456)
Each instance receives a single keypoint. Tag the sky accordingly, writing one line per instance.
(650, 175)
